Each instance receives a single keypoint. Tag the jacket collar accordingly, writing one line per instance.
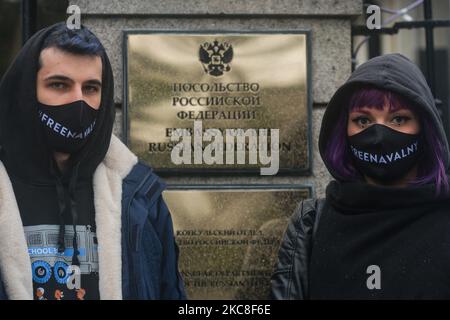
(15, 264)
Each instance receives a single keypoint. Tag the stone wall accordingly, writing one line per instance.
(329, 22)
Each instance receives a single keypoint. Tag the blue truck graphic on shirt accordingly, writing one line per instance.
(42, 241)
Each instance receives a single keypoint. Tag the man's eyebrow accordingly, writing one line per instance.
(94, 82)
(58, 77)
(64, 78)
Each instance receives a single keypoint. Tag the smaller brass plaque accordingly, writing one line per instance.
(229, 236)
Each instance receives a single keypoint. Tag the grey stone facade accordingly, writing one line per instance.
(328, 20)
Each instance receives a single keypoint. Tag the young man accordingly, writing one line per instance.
(78, 211)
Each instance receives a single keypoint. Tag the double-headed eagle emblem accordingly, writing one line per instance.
(216, 57)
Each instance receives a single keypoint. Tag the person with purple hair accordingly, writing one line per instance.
(383, 229)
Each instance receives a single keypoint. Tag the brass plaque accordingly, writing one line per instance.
(248, 81)
(229, 237)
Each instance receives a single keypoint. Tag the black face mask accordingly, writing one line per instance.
(67, 127)
(385, 154)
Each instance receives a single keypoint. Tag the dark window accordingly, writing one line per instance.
(43, 13)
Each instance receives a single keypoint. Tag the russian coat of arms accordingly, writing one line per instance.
(216, 57)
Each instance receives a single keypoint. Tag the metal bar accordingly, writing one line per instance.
(362, 29)
(374, 46)
(422, 24)
(28, 16)
(429, 40)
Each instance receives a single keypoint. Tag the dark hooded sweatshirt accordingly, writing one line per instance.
(375, 242)
(57, 210)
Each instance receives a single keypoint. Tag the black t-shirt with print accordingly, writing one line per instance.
(38, 205)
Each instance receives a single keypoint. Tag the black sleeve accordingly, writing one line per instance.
(290, 277)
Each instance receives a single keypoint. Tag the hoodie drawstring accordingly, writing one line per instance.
(74, 212)
(60, 191)
(61, 206)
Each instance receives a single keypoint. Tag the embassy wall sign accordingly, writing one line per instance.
(229, 236)
(218, 102)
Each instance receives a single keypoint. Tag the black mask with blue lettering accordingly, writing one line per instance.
(67, 127)
(385, 154)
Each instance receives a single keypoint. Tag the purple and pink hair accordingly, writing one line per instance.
(431, 168)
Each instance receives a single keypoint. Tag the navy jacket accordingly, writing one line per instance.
(149, 251)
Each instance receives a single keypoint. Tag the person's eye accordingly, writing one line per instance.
(58, 85)
(399, 120)
(91, 89)
(361, 121)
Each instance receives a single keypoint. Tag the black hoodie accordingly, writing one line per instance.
(45, 197)
(403, 231)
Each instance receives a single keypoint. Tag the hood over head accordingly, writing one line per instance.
(393, 72)
(23, 146)
(24, 150)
